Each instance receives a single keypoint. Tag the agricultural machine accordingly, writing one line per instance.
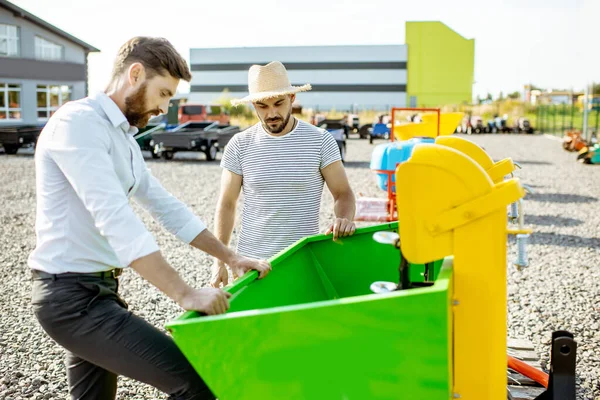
(413, 308)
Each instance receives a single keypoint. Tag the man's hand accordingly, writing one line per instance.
(240, 265)
(341, 227)
(207, 300)
(219, 274)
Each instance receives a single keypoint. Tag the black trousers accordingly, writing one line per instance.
(85, 315)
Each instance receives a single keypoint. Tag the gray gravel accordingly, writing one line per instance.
(559, 290)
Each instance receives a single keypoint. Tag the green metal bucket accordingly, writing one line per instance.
(313, 329)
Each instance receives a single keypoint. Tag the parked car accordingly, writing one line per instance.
(525, 125)
(477, 125)
(336, 129)
(12, 138)
(364, 131)
(379, 130)
(206, 137)
(200, 112)
(144, 137)
(354, 122)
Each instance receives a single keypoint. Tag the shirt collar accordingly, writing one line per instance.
(114, 113)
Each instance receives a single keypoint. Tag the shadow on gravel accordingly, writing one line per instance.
(357, 164)
(551, 220)
(196, 159)
(531, 162)
(18, 155)
(561, 198)
(553, 239)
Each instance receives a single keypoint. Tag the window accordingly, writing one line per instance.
(9, 40)
(10, 101)
(46, 50)
(50, 98)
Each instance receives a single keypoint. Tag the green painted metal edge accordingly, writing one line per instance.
(243, 281)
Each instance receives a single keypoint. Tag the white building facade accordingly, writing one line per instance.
(348, 78)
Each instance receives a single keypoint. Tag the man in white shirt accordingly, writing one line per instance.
(281, 164)
(88, 167)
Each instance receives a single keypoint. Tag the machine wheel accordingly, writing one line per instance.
(168, 155)
(156, 152)
(363, 132)
(11, 148)
(370, 139)
(211, 153)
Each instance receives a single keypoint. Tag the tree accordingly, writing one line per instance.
(225, 101)
(596, 88)
(535, 87)
(514, 95)
(501, 96)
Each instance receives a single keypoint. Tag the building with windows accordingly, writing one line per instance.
(41, 67)
(434, 67)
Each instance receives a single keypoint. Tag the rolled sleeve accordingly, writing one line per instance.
(330, 151)
(136, 248)
(80, 149)
(231, 156)
(191, 230)
(171, 213)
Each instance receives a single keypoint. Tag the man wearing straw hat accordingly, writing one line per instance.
(281, 163)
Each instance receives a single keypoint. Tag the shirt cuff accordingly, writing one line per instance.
(191, 230)
(137, 248)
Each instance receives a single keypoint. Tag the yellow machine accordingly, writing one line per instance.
(429, 126)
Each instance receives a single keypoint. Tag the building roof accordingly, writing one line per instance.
(19, 12)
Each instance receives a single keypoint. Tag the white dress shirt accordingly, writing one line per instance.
(88, 166)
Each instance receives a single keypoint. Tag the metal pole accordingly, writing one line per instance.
(585, 115)
(543, 116)
(562, 128)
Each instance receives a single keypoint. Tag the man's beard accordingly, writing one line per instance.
(278, 128)
(134, 108)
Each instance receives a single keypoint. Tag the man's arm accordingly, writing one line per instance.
(85, 162)
(178, 219)
(231, 185)
(155, 269)
(344, 201)
(166, 209)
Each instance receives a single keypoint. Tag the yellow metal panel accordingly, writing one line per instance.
(449, 206)
(480, 316)
(497, 171)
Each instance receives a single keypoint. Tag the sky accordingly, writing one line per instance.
(549, 43)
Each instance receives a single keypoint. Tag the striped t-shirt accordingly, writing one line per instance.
(282, 185)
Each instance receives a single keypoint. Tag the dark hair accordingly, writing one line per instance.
(157, 55)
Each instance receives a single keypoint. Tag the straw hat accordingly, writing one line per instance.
(268, 81)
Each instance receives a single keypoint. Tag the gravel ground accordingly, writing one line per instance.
(559, 290)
